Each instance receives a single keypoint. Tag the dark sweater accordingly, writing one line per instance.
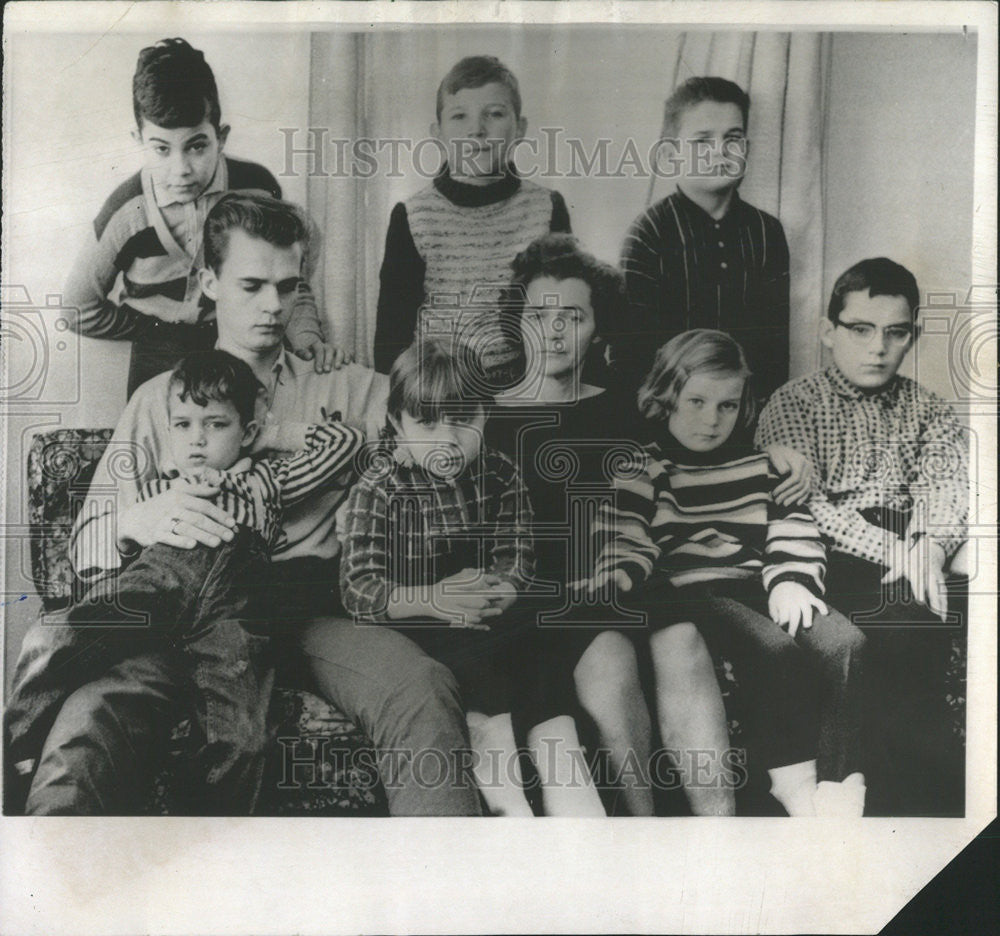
(684, 269)
(566, 455)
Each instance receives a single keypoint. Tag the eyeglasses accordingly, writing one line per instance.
(863, 332)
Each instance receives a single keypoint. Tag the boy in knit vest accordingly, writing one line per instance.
(449, 248)
(149, 229)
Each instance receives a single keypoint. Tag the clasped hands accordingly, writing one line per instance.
(468, 598)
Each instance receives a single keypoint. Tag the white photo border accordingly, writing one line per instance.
(182, 875)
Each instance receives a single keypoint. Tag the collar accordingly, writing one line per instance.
(843, 387)
(693, 208)
(737, 446)
(284, 361)
(477, 196)
(219, 183)
(408, 473)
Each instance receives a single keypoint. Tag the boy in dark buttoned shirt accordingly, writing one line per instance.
(702, 257)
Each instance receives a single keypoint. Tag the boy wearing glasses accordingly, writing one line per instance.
(891, 495)
(702, 257)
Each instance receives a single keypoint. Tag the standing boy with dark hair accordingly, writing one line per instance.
(891, 495)
(462, 231)
(702, 257)
(205, 604)
(149, 229)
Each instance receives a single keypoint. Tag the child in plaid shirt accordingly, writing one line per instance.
(205, 603)
(438, 544)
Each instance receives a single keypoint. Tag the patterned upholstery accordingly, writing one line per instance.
(60, 466)
(61, 463)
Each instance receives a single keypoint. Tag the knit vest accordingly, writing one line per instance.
(468, 252)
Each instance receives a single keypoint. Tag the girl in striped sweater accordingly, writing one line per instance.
(696, 526)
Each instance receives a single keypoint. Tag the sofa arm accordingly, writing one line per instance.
(60, 465)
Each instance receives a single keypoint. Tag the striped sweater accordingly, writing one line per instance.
(159, 262)
(254, 493)
(706, 517)
(448, 255)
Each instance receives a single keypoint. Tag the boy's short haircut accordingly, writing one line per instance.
(173, 87)
(878, 276)
(270, 219)
(429, 381)
(696, 90)
(474, 72)
(561, 257)
(692, 352)
(216, 375)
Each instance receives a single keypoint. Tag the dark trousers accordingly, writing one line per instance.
(517, 666)
(802, 696)
(160, 345)
(192, 613)
(915, 758)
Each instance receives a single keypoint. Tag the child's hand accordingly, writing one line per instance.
(919, 563)
(465, 599)
(795, 488)
(325, 356)
(590, 587)
(504, 594)
(791, 604)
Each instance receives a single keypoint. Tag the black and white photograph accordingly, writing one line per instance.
(421, 414)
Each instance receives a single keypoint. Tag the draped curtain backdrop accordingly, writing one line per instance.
(576, 83)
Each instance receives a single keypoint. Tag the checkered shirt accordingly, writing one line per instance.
(900, 448)
(405, 527)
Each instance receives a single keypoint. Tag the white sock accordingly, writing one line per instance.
(844, 800)
(794, 786)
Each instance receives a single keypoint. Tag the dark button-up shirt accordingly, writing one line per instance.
(685, 269)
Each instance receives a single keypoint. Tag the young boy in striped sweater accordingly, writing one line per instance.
(149, 230)
(206, 604)
(700, 518)
(449, 248)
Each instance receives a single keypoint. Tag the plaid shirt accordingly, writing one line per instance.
(894, 449)
(405, 527)
(254, 493)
